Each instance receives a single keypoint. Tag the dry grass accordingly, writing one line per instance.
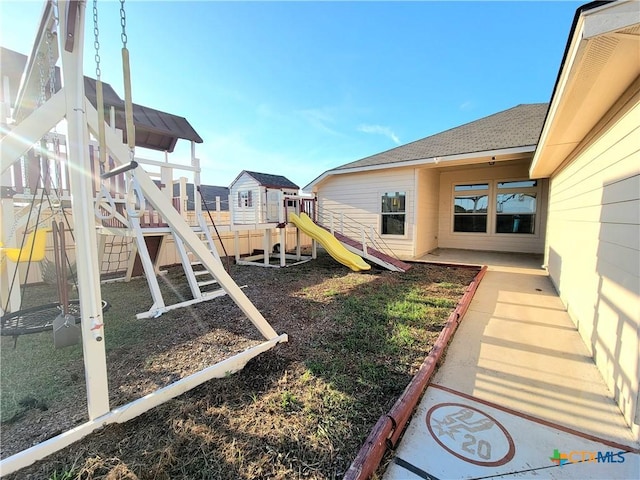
(301, 410)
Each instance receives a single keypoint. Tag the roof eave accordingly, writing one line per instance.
(460, 159)
(570, 116)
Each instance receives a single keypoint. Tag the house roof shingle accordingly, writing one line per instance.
(519, 126)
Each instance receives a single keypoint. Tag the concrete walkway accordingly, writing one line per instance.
(518, 395)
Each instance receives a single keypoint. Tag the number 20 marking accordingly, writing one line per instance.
(484, 447)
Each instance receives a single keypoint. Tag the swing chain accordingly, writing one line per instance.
(43, 95)
(16, 221)
(53, 134)
(123, 23)
(96, 42)
(54, 4)
(52, 65)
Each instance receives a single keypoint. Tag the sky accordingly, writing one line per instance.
(296, 88)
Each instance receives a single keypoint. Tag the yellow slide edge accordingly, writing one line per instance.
(330, 243)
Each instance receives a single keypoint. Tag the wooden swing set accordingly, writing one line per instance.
(64, 21)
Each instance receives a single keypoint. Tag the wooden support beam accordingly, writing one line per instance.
(25, 134)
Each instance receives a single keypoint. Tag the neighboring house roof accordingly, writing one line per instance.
(208, 193)
(268, 180)
(516, 127)
(155, 129)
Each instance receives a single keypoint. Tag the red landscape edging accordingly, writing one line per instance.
(389, 427)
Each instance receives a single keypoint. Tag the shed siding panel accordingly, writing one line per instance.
(358, 197)
(517, 170)
(593, 250)
(245, 215)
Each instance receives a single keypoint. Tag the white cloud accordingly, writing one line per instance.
(465, 106)
(320, 118)
(380, 130)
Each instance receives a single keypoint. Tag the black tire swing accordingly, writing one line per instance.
(62, 317)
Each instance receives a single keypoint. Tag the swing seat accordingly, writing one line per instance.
(33, 249)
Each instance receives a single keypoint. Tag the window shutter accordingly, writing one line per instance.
(249, 199)
(239, 200)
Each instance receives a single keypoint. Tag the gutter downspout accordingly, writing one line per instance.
(387, 430)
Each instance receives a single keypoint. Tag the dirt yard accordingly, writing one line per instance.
(301, 410)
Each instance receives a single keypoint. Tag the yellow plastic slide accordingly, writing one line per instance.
(329, 242)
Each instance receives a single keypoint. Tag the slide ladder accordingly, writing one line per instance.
(371, 254)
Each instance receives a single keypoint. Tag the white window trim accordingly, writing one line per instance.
(465, 192)
(492, 213)
(249, 196)
(538, 191)
(405, 213)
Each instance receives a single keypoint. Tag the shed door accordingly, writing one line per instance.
(273, 205)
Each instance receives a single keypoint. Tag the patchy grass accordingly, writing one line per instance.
(300, 410)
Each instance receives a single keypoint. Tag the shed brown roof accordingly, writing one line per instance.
(155, 129)
(269, 180)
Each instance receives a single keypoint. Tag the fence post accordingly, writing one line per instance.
(364, 241)
(342, 222)
(372, 236)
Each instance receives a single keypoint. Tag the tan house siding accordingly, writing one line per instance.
(358, 197)
(516, 170)
(593, 253)
(428, 192)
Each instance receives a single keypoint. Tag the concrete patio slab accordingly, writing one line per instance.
(518, 358)
(477, 257)
(455, 436)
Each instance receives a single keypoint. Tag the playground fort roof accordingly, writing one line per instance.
(155, 129)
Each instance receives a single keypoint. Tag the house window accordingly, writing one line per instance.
(470, 204)
(393, 213)
(516, 204)
(245, 199)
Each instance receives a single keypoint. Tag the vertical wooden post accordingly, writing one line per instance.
(17, 175)
(32, 171)
(236, 244)
(363, 236)
(7, 219)
(95, 363)
(283, 247)
(266, 245)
